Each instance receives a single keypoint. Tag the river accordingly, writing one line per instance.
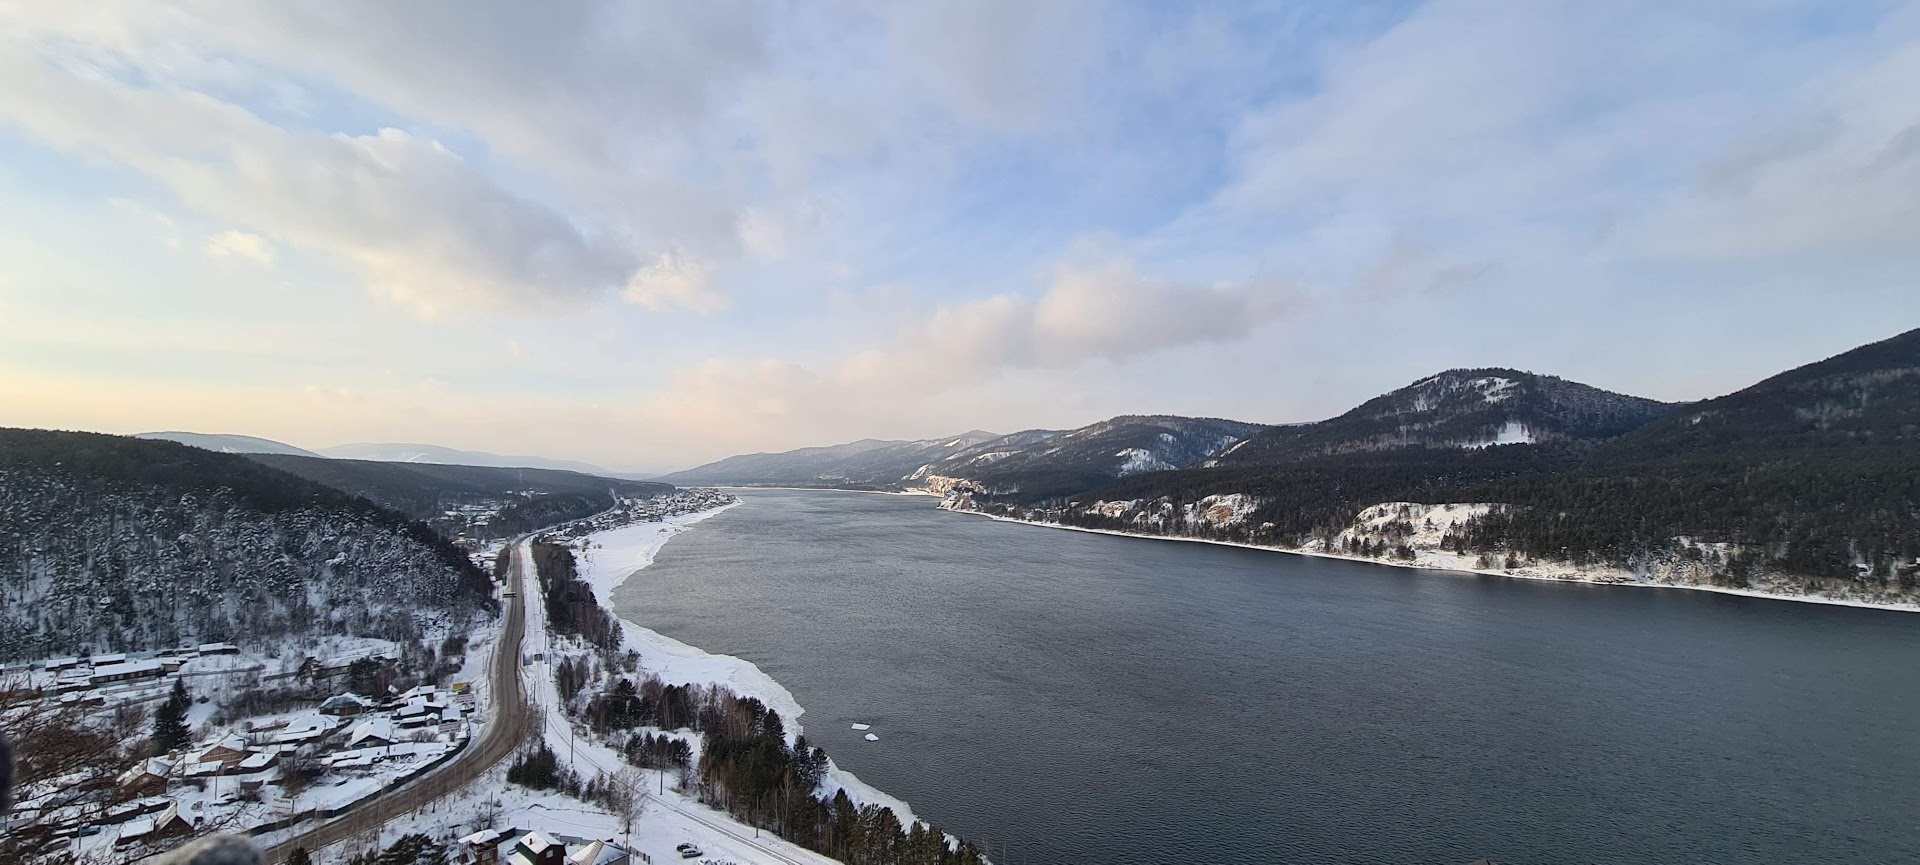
(1087, 698)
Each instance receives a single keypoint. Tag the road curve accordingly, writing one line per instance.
(510, 721)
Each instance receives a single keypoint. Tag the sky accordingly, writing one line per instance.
(647, 235)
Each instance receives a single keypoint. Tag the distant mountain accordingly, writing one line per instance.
(864, 463)
(121, 543)
(426, 490)
(1041, 464)
(1808, 481)
(1458, 408)
(412, 452)
(228, 443)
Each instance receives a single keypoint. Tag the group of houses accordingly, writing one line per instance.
(512, 847)
(68, 675)
(348, 735)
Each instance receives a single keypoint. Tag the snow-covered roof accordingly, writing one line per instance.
(372, 728)
(597, 853)
(537, 842)
(110, 658)
(125, 668)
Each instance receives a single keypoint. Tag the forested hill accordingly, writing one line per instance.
(868, 463)
(1458, 408)
(114, 543)
(1812, 475)
(423, 490)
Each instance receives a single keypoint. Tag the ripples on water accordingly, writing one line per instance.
(1083, 698)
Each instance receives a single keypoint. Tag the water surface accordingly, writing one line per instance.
(1087, 698)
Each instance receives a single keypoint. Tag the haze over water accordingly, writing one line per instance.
(1085, 698)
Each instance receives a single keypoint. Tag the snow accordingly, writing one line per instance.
(1140, 460)
(1428, 556)
(872, 738)
(1510, 433)
(613, 558)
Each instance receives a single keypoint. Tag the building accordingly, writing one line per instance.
(304, 729)
(482, 847)
(229, 751)
(372, 733)
(169, 823)
(601, 853)
(219, 649)
(126, 671)
(147, 777)
(534, 848)
(345, 705)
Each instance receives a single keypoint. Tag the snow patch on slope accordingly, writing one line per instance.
(1140, 460)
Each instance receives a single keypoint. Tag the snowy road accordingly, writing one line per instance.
(510, 721)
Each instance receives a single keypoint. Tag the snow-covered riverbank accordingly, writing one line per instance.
(613, 557)
(1435, 560)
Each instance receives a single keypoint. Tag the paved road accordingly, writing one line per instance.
(510, 721)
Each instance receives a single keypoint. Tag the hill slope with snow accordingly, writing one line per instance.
(110, 543)
(1458, 408)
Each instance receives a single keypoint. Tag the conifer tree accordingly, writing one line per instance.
(170, 723)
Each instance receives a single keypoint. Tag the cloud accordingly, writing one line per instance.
(1102, 312)
(675, 279)
(418, 224)
(240, 244)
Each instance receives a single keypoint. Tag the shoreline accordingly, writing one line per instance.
(608, 566)
(1417, 566)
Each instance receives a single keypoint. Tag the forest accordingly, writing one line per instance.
(1813, 474)
(111, 543)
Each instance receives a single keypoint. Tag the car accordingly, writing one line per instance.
(688, 851)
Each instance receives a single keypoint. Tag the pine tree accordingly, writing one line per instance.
(170, 723)
(299, 856)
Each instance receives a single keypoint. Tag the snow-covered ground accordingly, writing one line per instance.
(1427, 556)
(615, 556)
(666, 817)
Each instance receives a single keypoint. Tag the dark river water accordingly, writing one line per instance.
(1086, 698)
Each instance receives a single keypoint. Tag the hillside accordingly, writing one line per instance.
(228, 443)
(114, 543)
(427, 490)
(1041, 464)
(415, 452)
(865, 463)
(1807, 481)
(1458, 408)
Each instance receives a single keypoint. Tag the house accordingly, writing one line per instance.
(600, 853)
(54, 665)
(169, 823)
(109, 658)
(537, 849)
(305, 728)
(482, 847)
(372, 733)
(146, 778)
(218, 649)
(126, 671)
(230, 750)
(345, 705)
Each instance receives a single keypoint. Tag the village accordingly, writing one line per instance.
(251, 774)
(278, 736)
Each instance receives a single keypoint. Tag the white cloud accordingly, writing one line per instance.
(675, 279)
(240, 244)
